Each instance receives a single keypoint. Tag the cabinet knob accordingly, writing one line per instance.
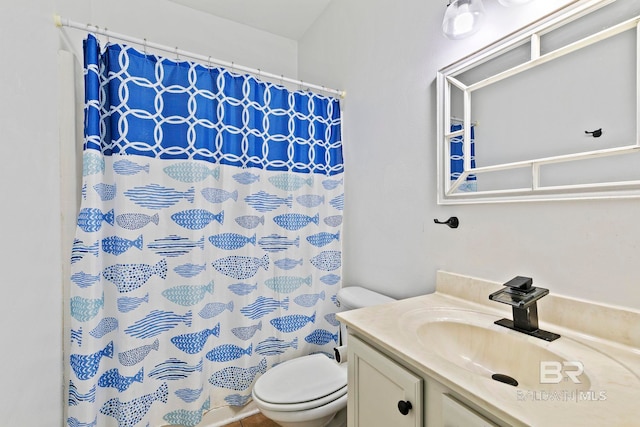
(404, 406)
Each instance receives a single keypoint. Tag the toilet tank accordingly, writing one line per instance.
(353, 297)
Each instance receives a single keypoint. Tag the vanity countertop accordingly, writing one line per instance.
(611, 332)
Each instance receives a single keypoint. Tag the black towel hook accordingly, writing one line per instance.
(596, 133)
(451, 222)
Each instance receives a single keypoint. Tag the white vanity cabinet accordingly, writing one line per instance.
(381, 392)
(377, 384)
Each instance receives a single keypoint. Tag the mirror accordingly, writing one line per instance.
(548, 113)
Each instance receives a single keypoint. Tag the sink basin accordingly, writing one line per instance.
(487, 351)
(470, 340)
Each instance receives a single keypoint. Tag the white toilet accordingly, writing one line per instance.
(311, 391)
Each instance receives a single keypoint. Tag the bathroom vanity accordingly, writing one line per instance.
(429, 361)
(391, 394)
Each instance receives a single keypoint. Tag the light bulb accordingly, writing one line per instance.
(462, 18)
(463, 22)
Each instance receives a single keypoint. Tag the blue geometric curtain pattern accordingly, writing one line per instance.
(457, 159)
(208, 242)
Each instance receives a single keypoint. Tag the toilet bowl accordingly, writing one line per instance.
(303, 392)
(311, 391)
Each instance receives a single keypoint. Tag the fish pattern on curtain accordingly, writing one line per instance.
(457, 159)
(208, 244)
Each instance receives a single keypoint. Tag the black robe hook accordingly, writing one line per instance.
(451, 222)
(596, 133)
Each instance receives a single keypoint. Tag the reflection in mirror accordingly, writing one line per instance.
(457, 156)
(533, 100)
(545, 111)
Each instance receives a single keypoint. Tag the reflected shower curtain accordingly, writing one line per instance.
(208, 242)
(457, 159)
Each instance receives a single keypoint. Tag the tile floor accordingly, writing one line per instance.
(257, 420)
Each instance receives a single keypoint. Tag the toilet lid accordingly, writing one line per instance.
(300, 380)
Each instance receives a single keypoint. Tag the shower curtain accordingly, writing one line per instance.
(208, 245)
(457, 159)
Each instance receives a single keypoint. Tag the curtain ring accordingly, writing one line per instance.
(177, 55)
(144, 46)
(95, 30)
(106, 30)
(96, 33)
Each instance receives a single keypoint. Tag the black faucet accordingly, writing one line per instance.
(522, 297)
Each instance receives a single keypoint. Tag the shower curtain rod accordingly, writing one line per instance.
(63, 22)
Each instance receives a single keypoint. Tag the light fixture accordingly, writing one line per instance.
(462, 18)
(513, 2)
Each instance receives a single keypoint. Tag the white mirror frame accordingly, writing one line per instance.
(446, 79)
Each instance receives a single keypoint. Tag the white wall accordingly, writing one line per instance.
(385, 56)
(31, 307)
(31, 303)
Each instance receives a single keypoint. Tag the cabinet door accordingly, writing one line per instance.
(377, 386)
(455, 414)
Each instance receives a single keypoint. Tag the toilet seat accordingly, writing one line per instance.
(301, 384)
